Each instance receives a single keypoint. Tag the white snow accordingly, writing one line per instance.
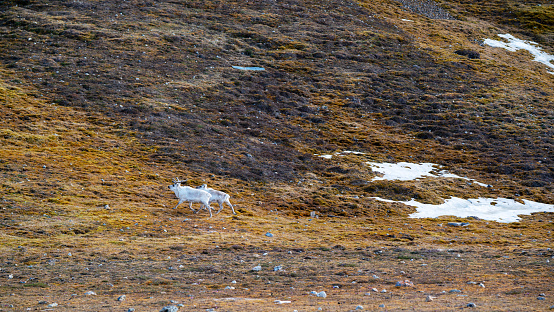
(515, 44)
(404, 171)
(343, 153)
(499, 209)
(249, 68)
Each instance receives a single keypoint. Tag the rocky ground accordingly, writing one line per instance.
(104, 102)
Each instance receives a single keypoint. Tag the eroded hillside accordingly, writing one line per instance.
(104, 102)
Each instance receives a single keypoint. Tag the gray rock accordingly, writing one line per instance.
(53, 305)
(322, 294)
(257, 268)
(121, 298)
(454, 291)
(458, 223)
(268, 234)
(541, 298)
(277, 268)
(131, 310)
(359, 307)
(90, 293)
(170, 308)
(471, 305)
(381, 306)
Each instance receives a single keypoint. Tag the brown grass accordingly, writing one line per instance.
(80, 131)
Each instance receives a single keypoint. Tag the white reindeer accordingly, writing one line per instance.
(217, 196)
(192, 195)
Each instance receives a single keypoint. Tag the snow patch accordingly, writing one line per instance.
(515, 44)
(343, 153)
(404, 171)
(499, 209)
(249, 68)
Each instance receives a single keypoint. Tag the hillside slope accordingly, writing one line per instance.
(104, 102)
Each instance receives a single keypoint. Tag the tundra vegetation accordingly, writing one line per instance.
(103, 102)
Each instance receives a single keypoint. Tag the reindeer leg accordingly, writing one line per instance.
(180, 202)
(220, 207)
(190, 206)
(229, 203)
(210, 209)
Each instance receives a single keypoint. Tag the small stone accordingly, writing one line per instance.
(405, 283)
(384, 291)
(90, 293)
(471, 305)
(542, 295)
(322, 294)
(381, 306)
(230, 287)
(374, 289)
(429, 298)
(257, 268)
(121, 298)
(482, 285)
(131, 310)
(359, 307)
(454, 291)
(170, 308)
(375, 276)
(277, 268)
(541, 298)
(268, 234)
(458, 223)
(53, 305)
(367, 294)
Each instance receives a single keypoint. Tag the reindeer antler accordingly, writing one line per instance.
(176, 180)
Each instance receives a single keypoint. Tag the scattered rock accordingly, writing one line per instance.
(53, 305)
(281, 302)
(359, 307)
(257, 268)
(374, 289)
(430, 298)
(454, 291)
(268, 234)
(541, 298)
(468, 53)
(322, 294)
(230, 287)
(471, 305)
(481, 285)
(121, 298)
(170, 308)
(381, 306)
(458, 223)
(405, 283)
(277, 268)
(384, 291)
(90, 293)
(131, 310)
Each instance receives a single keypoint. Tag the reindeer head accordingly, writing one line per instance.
(176, 184)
